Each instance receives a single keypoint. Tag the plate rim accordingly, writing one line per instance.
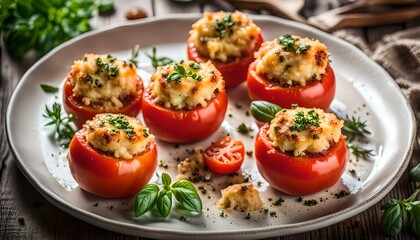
(277, 230)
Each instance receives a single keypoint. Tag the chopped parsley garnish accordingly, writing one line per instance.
(223, 25)
(289, 45)
(303, 48)
(181, 73)
(288, 41)
(302, 120)
(315, 136)
(249, 153)
(121, 123)
(112, 70)
(242, 128)
(341, 194)
(158, 61)
(278, 202)
(311, 202)
(145, 133)
(282, 58)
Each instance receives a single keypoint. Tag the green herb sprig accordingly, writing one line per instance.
(158, 61)
(393, 216)
(134, 54)
(42, 25)
(63, 129)
(181, 72)
(264, 111)
(354, 127)
(150, 196)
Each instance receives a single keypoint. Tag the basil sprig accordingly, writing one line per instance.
(150, 195)
(264, 111)
(393, 215)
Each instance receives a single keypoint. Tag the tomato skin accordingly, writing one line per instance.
(181, 126)
(234, 72)
(81, 113)
(225, 144)
(299, 176)
(106, 176)
(318, 94)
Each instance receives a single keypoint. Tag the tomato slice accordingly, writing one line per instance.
(318, 94)
(233, 72)
(224, 156)
(81, 113)
(106, 176)
(301, 175)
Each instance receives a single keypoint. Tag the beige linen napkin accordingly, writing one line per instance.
(399, 54)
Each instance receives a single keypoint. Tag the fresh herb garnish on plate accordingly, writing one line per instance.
(354, 127)
(393, 215)
(134, 54)
(64, 132)
(150, 195)
(49, 89)
(158, 61)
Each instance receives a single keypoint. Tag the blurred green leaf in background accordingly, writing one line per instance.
(41, 25)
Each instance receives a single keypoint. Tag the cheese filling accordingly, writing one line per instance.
(103, 82)
(185, 85)
(224, 36)
(117, 134)
(292, 60)
(243, 197)
(303, 130)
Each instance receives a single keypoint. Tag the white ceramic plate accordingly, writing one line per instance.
(363, 89)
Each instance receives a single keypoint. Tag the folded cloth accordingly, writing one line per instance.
(399, 54)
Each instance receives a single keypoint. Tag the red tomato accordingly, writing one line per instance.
(184, 125)
(81, 113)
(233, 72)
(318, 94)
(224, 156)
(106, 176)
(299, 175)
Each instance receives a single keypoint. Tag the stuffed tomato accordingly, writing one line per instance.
(292, 70)
(301, 151)
(184, 102)
(229, 40)
(102, 84)
(112, 156)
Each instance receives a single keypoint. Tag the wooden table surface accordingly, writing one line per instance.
(25, 214)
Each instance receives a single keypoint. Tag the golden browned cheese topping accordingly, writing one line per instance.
(117, 134)
(242, 197)
(186, 84)
(103, 81)
(292, 60)
(303, 130)
(224, 36)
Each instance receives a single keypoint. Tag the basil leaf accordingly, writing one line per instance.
(264, 111)
(187, 196)
(413, 215)
(389, 204)
(164, 202)
(166, 179)
(174, 77)
(392, 219)
(414, 174)
(145, 199)
(180, 69)
(48, 88)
